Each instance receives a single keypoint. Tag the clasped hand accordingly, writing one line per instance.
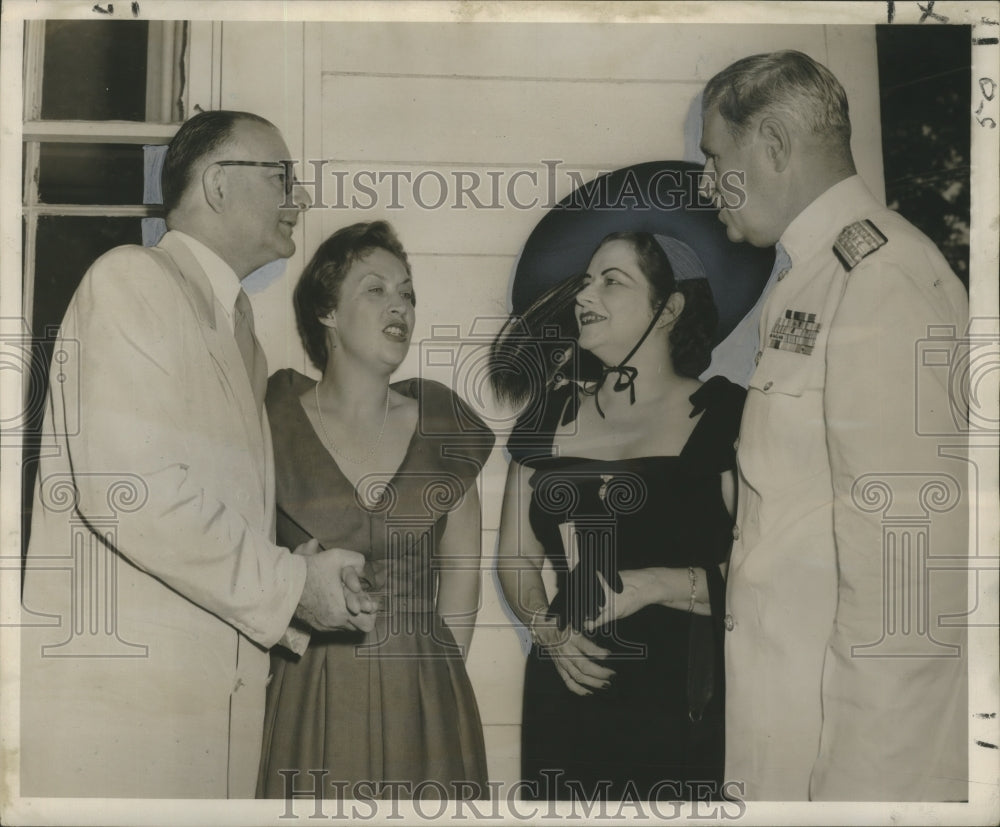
(575, 658)
(333, 597)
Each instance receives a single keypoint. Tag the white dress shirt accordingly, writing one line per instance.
(225, 283)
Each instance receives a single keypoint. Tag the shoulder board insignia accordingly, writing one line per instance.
(856, 241)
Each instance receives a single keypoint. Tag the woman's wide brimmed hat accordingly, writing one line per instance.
(659, 197)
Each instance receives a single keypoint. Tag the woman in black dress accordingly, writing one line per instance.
(622, 478)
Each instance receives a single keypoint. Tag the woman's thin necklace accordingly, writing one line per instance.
(348, 457)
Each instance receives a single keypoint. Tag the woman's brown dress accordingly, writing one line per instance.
(396, 704)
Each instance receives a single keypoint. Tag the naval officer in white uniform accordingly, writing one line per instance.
(842, 680)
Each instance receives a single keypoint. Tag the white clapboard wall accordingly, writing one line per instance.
(488, 99)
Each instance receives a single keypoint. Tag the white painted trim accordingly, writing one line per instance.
(30, 200)
(34, 56)
(163, 55)
(99, 132)
(312, 143)
(95, 210)
(203, 90)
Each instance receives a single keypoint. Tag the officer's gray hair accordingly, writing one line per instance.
(789, 84)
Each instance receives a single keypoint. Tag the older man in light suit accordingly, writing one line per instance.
(153, 587)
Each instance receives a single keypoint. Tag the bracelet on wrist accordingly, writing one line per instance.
(693, 578)
(531, 625)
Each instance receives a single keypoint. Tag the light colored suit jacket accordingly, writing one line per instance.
(153, 588)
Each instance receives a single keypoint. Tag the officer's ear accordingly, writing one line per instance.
(777, 142)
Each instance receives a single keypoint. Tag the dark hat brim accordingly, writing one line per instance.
(659, 197)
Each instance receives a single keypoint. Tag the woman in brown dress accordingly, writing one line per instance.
(388, 470)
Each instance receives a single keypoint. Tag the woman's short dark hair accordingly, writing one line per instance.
(528, 353)
(197, 137)
(318, 290)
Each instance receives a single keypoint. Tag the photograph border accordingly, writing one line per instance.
(984, 264)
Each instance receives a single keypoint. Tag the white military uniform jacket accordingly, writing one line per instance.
(841, 682)
(153, 587)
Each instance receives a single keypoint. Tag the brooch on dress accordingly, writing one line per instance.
(602, 492)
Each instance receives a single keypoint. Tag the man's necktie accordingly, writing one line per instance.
(250, 349)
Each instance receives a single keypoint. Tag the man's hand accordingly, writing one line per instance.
(332, 598)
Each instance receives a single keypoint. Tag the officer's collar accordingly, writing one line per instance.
(819, 224)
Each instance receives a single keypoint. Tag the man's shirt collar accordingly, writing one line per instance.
(223, 279)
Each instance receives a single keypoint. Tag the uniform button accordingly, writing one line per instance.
(736, 444)
(736, 532)
(728, 622)
(238, 684)
(782, 274)
(767, 385)
(756, 358)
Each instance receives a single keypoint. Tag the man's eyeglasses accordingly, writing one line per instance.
(287, 167)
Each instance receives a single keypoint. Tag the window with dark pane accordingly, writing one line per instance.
(65, 247)
(925, 80)
(95, 70)
(90, 173)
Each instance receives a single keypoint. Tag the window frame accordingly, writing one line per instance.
(177, 50)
